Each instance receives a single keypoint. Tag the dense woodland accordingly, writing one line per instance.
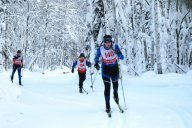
(153, 34)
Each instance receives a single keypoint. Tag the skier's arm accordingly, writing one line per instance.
(118, 52)
(22, 63)
(98, 54)
(14, 58)
(88, 63)
(74, 64)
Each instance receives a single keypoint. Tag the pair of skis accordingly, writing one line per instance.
(120, 110)
(85, 92)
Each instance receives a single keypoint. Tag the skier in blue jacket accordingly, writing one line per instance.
(81, 63)
(110, 54)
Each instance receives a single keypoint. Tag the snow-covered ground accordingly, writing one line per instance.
(52, 101)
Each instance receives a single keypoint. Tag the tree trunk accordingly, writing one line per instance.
(190, 59)
(178, 31)
(177, 5)
(133, 35)
(152, 54)
(97, 20)
(177, 44)
(157, 37)
(27, 33)
(4, 49)
(168, 8)
(115, 21)
(45, 38)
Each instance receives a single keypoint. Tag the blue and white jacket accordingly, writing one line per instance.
(109, 57)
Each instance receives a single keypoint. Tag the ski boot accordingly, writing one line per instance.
(11, 79)
(116, 100)
(80, 90)
(20, 84)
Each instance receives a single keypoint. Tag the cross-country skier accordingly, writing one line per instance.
(81, 63)
(110, 53)
(17, 65)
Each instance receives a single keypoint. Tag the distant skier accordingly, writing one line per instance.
(17, 65)
(110, 54)
(81, 63)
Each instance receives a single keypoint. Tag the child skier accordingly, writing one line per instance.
(110, 54)
(81, 63)
(17, 65)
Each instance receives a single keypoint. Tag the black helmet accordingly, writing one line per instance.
(107, 38)
(81, 55)
(19, 51)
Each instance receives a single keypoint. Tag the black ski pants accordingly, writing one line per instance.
(82, 77)
(18, 68)
(110, 74)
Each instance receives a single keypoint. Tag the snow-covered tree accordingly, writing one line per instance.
(153, 34)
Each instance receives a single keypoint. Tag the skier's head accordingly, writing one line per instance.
(107, 39)
(19, 53)
(81, 57)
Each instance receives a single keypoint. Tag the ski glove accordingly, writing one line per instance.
(89, 64)
(97, 66)
(117, 51)
(121, 57)
(72, 70)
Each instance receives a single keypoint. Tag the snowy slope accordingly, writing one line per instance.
(52, 101)
(8, 99)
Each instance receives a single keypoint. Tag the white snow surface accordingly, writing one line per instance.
(53, 101)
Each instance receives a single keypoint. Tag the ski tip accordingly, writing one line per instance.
(109, 113)
(122, 111)
(84, 93)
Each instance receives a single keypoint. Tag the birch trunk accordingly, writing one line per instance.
(157, 37)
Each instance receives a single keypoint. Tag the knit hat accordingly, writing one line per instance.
(19, 51)
(107, 38)
(81, 55)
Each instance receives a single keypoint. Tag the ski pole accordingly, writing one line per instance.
(93, 80)
(91, 73)
(123, 94)
(85, 91)
(121, 77)
(22, 72)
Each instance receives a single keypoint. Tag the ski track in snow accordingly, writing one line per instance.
(54, 102)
